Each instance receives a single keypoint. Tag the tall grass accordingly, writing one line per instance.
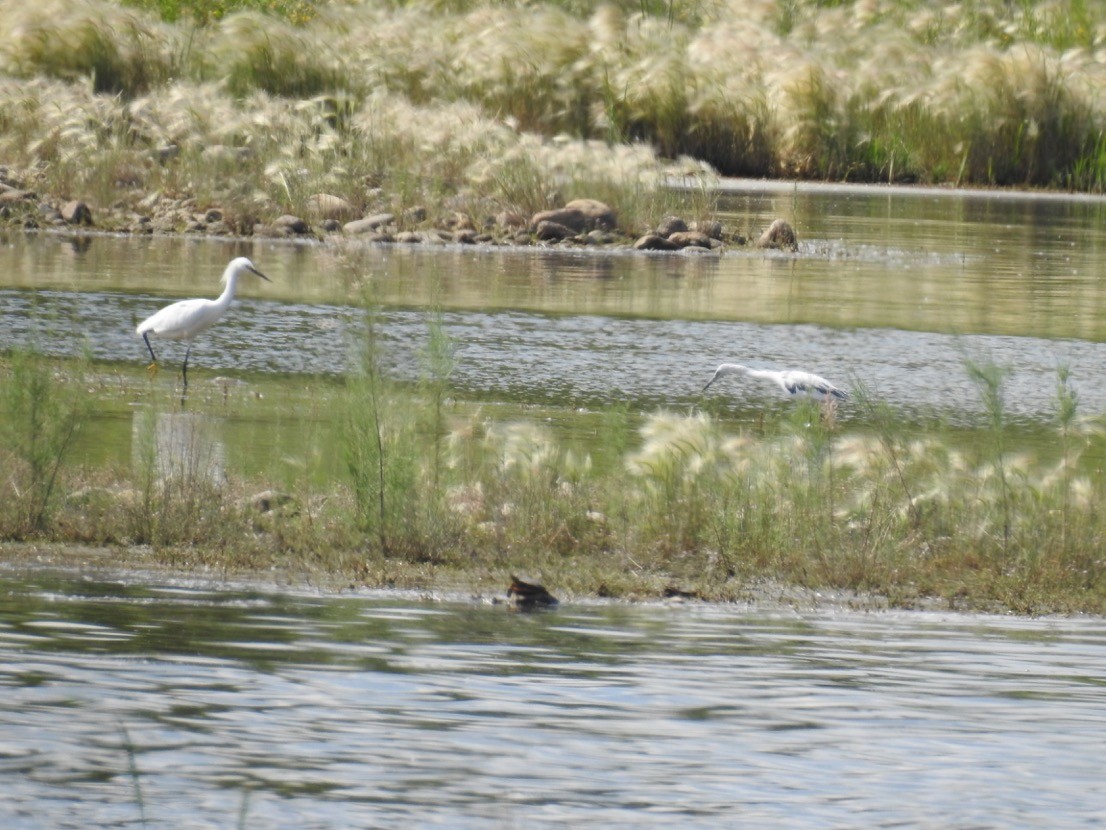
(39, 421)
(255, 107)
(907, 511)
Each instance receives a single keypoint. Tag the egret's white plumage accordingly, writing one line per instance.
(792, 381)
(187, 318)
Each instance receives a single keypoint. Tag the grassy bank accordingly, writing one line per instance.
(254, 108)
(435, 494)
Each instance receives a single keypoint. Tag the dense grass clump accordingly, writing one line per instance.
(510, 106)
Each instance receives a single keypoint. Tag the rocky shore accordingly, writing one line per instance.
(576, 223)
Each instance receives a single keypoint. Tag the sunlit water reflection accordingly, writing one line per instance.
(309, 711)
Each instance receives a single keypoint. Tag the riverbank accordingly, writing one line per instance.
(432, 494)
(144, 565)
(221, 120)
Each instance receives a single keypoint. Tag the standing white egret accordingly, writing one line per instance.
(792, 381)
(187, 318)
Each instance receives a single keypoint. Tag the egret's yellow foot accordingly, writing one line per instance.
(151, 370)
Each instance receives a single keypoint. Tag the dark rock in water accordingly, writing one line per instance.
(549, 231)
(528, 596)
(779, 235)
(686, 239)
(76, 212)
(670, 225)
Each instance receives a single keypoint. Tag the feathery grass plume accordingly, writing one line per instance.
(988, 379)
(118, 50)
(254, 51)
(530, 494)
(526, 65)
(677, 463)
(732, 124)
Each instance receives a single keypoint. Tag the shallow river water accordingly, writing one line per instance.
(184, 705)
(894, 290)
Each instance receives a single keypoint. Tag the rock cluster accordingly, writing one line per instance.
(577, 223)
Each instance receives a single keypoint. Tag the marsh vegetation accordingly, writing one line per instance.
(257, 107)
(433, 493)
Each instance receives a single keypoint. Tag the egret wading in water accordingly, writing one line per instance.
(792, 381)
(186, 319)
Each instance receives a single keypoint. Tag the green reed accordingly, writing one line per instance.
(40, 417)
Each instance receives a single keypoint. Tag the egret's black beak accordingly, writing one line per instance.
(261, 275)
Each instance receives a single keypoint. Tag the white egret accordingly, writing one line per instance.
(792, 381)
(187, 318)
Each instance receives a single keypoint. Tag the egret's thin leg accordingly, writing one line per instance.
(184, 368)
(151, 370)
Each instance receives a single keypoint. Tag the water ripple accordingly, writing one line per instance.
(309, 711)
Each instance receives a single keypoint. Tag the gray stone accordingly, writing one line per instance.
(369, 223)
(779, 235)
(670, 225)
(597, 215)
(653, 242)
(549, 231)
(686, 239)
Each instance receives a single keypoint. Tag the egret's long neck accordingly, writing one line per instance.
(227, 296)
(762, 374)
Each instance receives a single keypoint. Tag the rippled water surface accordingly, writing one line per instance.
(892, 289)
(191, 705)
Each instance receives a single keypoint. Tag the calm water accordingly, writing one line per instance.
(313, 711)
